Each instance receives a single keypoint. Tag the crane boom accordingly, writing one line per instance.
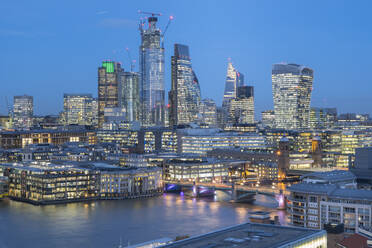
(165, 30)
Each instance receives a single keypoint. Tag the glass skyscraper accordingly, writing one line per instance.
(129, 95)
(151, 75)
(234, 79)
(109, 75)
(208, 112)
(184, 97)
(23, 111)
(292, 86)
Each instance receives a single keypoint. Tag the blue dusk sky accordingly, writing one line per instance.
(53, 47)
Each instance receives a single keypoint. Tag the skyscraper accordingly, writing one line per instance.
(129, 95)
(109, 75)
(151, 74)
(234, 79)
(242, 107)
(78, 109)
(292, 86)
(184, 97)
(23, 111)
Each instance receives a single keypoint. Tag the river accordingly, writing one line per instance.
(103, 223)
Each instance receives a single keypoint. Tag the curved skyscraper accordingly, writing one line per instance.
(151, 75)
(184, 97)
(292, 85)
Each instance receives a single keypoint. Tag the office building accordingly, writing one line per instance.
(129, 95)
(322, 118)
(109, 75)
(184, 97)
(268, 118)
(292, 86)
(257, 235)
(151, 60)
(208, 113)
(200, 141)
(242, 106)
(23, 111)
(78, 109)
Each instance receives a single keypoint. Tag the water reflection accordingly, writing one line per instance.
(102, 223)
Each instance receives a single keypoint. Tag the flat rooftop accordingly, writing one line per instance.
(249, 235)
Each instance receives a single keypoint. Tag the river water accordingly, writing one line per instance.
(103, 223)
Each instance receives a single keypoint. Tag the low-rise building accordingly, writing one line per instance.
(258, 236)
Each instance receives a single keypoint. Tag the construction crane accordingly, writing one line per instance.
(152, 14)
(149, 13)
(165, 30)
(130, 60)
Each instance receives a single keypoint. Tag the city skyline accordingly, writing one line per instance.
(338, 40)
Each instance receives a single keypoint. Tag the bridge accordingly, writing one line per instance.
(233, 192)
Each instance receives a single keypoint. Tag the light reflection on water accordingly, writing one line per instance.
(102, 223)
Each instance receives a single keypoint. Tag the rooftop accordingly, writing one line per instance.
(332, 191)
(331, 176)
(249, 235)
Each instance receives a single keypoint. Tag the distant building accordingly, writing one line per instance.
(242, 106)
(184, 97)
(292, 86)
(109, 75)
(23, 111)
(362, 166)
(268, 118)
(208, 113)
(322, 118)
(78, 109)
(200, 141)
(234, 79)
(151, 60)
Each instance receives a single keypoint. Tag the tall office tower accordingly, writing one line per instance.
(184, 96)
(234, 79)
(109, 75)
(208, 112)
(129, 95)
(292, 86)
(268, 118)
(242, 107)
(151, 75)
(78, 109)
(23, 111)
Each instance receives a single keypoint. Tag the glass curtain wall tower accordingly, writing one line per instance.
(184, 97)
(23, 111)
(129, 95)
(234, 79)
(292, 86)
(151, 57)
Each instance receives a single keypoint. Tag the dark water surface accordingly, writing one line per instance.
(103, 223)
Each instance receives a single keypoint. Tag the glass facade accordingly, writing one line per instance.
(184, 97)
(23, 111)
(78, 109)
(129, 95)
(242, 107)
(208, 111)
(151, 75)
(292, 86)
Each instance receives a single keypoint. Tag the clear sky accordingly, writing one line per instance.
(48, 48)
